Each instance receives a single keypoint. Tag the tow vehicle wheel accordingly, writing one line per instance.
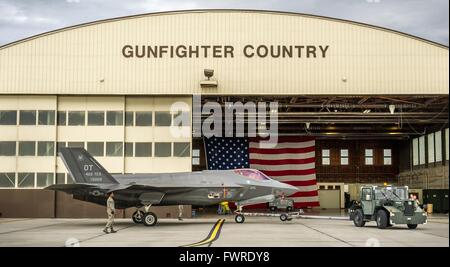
(137, 216)
(412, 226)
(358, 219)
(283, 217)
(382, 219)
(239, 218)
(272, 208)
(149, 219)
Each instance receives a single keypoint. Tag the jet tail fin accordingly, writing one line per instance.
(83, 167)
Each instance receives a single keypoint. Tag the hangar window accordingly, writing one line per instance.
(61, 118)
(163, 118)
(144, 118)
(422, 150)
(438, 146)
(128, 149)
(44, 179)
(181, 149)
(75, 144)
(430, 139)
(27, 148)
(387, 156)
(77, 118)
(7, 148)
(129, 118)
(8, 117)
(143, 149)
(60, 145)
(60, 178)
(7, 179)
(46, 148)
(69, 179)
(114, 149)
(114, 118)
(27, 117)
(163, 149)
(25, 179)
(344, 156)
(96, 118)
(325, 157)
(368, 153)
(46, 117)
(96, 148)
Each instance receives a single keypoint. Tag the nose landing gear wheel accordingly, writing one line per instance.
(137, 216)
(239, 218)
(150, 219)
(283, 217)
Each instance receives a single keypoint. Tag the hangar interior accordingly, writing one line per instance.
(368, 139)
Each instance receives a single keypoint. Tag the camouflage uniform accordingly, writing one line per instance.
(110, 209)
(180, 212)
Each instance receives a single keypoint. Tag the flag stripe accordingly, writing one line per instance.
(282, 156)
(281, 150)
(288, 178)
(301, 183)
(285, 139)
(284, 145)
(285, 167)
(290, 172)
(282, 161)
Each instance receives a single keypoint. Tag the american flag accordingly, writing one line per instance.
(291, 160)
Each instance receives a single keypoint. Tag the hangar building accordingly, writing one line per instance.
(375, 99)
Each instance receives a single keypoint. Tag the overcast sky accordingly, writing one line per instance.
(425, 18)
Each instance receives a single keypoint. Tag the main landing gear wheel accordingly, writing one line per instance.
(283, 217)
(137, 216)
(239, 218)
(149, 219)
(272, 208)
(289, 208)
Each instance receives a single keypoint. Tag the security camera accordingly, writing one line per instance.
(208, 73)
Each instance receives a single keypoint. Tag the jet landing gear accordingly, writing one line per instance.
(137, 216)
(149, 218)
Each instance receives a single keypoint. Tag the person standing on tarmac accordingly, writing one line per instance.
(110, 210)
(180, 212)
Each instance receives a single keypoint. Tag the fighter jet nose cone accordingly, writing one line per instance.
(292, 190)
(288, 190)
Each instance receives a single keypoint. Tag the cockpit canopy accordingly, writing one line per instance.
(252, 174)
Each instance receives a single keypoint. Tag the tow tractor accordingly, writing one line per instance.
(387, 205)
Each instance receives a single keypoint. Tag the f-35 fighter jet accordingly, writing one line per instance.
(93, 183)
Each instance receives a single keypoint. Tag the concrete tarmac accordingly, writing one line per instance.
(254, 232)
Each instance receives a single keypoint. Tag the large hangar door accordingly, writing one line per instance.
(330, 199)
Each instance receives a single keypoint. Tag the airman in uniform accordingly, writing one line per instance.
(180, 212)
(110, 210)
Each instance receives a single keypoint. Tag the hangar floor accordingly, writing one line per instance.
(256, 231)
